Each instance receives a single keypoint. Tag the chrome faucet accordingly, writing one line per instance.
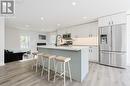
(58, 36)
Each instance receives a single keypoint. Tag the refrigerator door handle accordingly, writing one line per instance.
(105, 52)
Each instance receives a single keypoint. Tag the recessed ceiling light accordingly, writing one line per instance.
(74, 3)
(42, 18)
(84, 17)
(58, 24)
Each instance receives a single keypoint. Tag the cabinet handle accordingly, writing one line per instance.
(90, 35)
(90, 50)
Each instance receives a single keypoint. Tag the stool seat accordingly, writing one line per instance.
(62, 59)
(48, 56)
(34, 53)
(39, 54)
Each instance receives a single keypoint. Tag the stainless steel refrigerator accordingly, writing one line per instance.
(112, 42)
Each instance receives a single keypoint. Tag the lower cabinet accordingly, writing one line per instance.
(93, 54)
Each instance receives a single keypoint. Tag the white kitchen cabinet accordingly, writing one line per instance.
(104, 21)
(86, 30)
(93, 54)
(60, 32)
(112, 20)
(119, 19)
(81, 31)
(77, 32)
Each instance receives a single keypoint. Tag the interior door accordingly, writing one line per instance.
(105, 38)
(119, 38)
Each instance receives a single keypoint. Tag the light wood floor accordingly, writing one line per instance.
(21, 74)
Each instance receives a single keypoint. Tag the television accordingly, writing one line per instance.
(42, 37)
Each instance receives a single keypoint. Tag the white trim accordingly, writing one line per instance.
(2, 65)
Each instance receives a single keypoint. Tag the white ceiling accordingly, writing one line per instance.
(29, 12)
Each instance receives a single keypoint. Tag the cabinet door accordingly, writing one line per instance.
(60, 32)
(93, 29)
(104, 21)
(93, 54)
(90, 54)
(119, 19)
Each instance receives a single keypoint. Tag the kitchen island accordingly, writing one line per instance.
(79, 58)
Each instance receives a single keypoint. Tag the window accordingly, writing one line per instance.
(24, 42)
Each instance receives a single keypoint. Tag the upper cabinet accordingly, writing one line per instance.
(82, 31)
(104, 21)
(120, 18)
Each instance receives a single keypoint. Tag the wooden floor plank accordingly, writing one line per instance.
(21, 74)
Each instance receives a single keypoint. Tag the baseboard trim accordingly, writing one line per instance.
(2, 64)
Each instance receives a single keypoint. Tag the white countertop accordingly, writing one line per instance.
(74, 48)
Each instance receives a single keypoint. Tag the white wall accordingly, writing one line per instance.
(12, 39)
(128, 40)
(2, 34)
(51, 38)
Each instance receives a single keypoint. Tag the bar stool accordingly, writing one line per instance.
(47, 58)
(62, 60)
(34, 56)
(38, 60)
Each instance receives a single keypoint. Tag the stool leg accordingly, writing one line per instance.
(42, 67)
(61, 67)
(34, 62)
(36, 65)
(64, 74)
(48, 69)
(69, 71)
(56, 64)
